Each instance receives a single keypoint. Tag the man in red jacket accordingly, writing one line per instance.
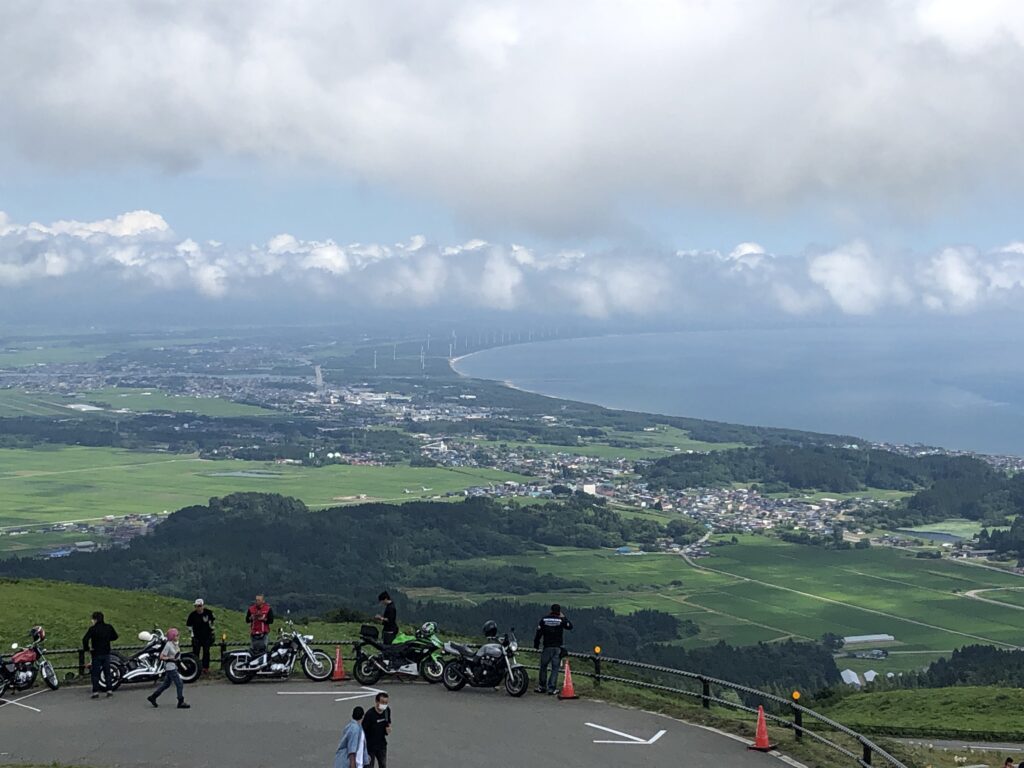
(259, 617)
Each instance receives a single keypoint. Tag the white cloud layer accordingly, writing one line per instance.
(546, 115)
(138, 255)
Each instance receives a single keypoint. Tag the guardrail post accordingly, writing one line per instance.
(223, 650)
(597, 669)
(705, 696)
(867, 755)
(81, 662)
(798, 723)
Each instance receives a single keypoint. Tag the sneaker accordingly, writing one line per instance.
(551, 693)
(109, 694)
(152, 701)
(94, 696)
(539, 690)
(183, 705)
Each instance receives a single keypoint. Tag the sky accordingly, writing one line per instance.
(610, 161)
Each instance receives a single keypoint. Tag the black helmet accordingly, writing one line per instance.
(38, 634)
(429, 628)
(490, 629)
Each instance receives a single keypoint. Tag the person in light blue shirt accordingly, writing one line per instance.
(352, 748)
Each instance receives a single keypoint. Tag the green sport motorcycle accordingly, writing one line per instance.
(419, 654)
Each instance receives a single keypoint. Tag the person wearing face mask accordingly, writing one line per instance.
(377, 726)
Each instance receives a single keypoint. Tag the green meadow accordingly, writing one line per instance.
(76, 483)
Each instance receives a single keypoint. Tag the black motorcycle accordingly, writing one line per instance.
(418, 654)
(489, 666)
(279, 660)
(145, 665)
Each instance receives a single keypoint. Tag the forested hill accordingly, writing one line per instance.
(315, 561)
(945, 486)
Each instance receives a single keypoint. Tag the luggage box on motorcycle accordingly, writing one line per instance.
(369, 632)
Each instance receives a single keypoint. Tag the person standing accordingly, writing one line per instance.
(201, 621)
(100, 635)
(259, 617)
(352, 748)
(377, 726)
(388, 617)
(550, 630)
(169, 655)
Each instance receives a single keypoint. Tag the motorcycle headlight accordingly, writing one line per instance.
(513, 646)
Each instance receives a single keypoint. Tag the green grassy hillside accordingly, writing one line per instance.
(967, 712)
(64, 610)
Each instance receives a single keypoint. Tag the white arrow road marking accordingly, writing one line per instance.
(16, 702)
(631, 739)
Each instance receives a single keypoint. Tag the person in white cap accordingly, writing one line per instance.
(200, 621)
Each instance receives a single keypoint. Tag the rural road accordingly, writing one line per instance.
(298, 724)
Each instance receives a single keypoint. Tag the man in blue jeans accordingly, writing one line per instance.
(549, 631)
(100, 635)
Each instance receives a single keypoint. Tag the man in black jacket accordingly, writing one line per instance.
(200, 621)
(100, 635)
(549, 630)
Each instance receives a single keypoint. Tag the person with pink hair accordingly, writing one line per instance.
(169, 655)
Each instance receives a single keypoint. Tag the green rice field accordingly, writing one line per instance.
(764, 589)
(20, 403)
(76, 483)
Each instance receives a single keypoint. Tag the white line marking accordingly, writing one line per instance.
(631, 739)
(17, 703)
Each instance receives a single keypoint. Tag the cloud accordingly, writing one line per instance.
(137, 256)
(553, 117)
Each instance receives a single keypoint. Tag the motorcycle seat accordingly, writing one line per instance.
(462, 649)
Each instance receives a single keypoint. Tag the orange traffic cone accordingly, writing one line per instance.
(568, 689)
(761, 743)
(339, 668)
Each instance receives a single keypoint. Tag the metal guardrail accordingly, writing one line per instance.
(777, 705)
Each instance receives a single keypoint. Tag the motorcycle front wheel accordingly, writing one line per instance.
(366, 672)
(453, 677)
(236, 674)
(431, 670)
(318, 667)
(49, 676)
(188, 668)
(518, 682)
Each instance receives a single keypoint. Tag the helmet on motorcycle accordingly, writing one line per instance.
(172, 634)
(37, 633)
(145, 636)
(429, 628)
(490, 629)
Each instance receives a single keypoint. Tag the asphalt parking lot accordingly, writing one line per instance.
(298, 724)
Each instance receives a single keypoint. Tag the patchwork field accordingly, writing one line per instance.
(627, 445)
(764, 589)
(19, 403)
(74, 483)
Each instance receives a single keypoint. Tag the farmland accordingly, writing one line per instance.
(19, 403)
(75, 483)
(615, 444)
(763, 589)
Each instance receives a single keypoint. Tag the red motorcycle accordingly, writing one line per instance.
(19, 672)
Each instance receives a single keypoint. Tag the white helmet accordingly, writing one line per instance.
(145, 636)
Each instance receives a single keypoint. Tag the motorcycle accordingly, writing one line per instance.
(20, 671)
(489, 666)
(418, 654)
(279, 661)
(145, 665)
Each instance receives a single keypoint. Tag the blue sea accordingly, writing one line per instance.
(952, 385)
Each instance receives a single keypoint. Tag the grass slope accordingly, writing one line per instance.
(64, 610)
(934, 711)
(75, 483)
